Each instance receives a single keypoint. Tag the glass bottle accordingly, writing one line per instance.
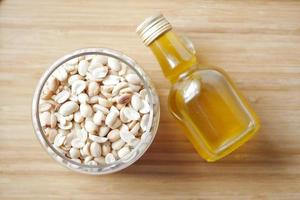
(216, 118)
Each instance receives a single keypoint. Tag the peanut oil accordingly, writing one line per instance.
(216, 118)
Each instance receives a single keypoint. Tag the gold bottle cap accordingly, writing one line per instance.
(152, 28)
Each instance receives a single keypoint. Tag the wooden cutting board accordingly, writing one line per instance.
(256, 42)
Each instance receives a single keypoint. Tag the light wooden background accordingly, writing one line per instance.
(257, 42)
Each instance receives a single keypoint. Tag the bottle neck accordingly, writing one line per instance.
(173, 55)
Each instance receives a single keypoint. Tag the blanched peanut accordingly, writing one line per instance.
(131, 114)
(86, 149)
(114, 64)
(145, 108)
(47, 94)
(93, 100)
(126, 136)
(45, 106)
(71, 69)
(87, 159)
(133, 79)
(74, 152)
(95, 149)
(83, 67)
(132, 124)
(123, 118)
(110, 158)
(117, 124)
(69, 138)
(78, 117)
(59, 139)
(135, 88)
(98, 107)
(53, 120)
(111, 80)
(99, 73)
(52, 84)
(66, 126)
(62, 96)
(51, 134)
(77, 143)
(83, 98)
(123, 70)
(111, 118)
(103, 131)
(78, 86)
(98, 139)
(135, 130)
(68, 108)
(98, 118)
(123, 152)
(74, 77)
(144, 122)
(100, 160)
(136, 102)
(93, 88)
(45, 118)
(124, 99)
(99, 60)
(104, 102)
(90, 126)
(118, 87)
(113, 135)
(86, 110)
(118, 144)
(126, 90)
(106, 148)
(60, 74)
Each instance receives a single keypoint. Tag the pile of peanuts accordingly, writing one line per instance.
(94, 109)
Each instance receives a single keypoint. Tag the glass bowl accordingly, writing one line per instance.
(146, 139)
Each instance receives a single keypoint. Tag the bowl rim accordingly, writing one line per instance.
(65, 161)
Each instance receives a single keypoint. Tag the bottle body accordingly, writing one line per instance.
(217, 119)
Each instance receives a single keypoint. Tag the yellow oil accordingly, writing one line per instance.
(215, 116)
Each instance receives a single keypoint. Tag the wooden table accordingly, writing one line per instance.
(257, 42)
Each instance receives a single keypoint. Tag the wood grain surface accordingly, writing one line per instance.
(256, 42)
